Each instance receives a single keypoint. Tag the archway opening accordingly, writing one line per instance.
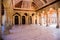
(23, 19)
(16, 20)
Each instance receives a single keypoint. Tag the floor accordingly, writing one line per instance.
(33, 32)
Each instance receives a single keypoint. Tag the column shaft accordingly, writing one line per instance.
(57, 20)
(46, 19)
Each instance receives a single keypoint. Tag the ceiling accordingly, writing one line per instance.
(30, 4)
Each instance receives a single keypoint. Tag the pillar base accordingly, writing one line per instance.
(57, 26)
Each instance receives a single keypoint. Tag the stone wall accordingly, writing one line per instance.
(22, 13)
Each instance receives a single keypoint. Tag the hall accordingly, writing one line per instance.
(30, 19)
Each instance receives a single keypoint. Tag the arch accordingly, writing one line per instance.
(25, 14)
(33, 14)
(16, 14)
(23, 19)
(51, 10)
(16, 20)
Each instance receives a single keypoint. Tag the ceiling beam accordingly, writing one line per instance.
(38, 3)
(33, 4)
(48, 5)
(42, 1)
(35, 1)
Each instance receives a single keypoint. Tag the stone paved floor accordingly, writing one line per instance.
(33, 32)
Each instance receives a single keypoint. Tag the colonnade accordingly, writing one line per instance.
(50, 17)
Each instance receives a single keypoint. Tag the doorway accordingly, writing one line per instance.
(23, 19)
(16, 20)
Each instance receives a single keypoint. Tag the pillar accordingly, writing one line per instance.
(40, 19)
(0, 13)
(57, 10)
(46, 19)
(0, 22)
(19, 20)
(26, 17)
(33, 19)
(37, 18)
(57, 20)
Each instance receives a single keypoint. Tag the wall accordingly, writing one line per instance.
(10, 12)
(22, 13)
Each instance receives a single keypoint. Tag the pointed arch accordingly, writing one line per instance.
(16, 14)
(16, 19)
